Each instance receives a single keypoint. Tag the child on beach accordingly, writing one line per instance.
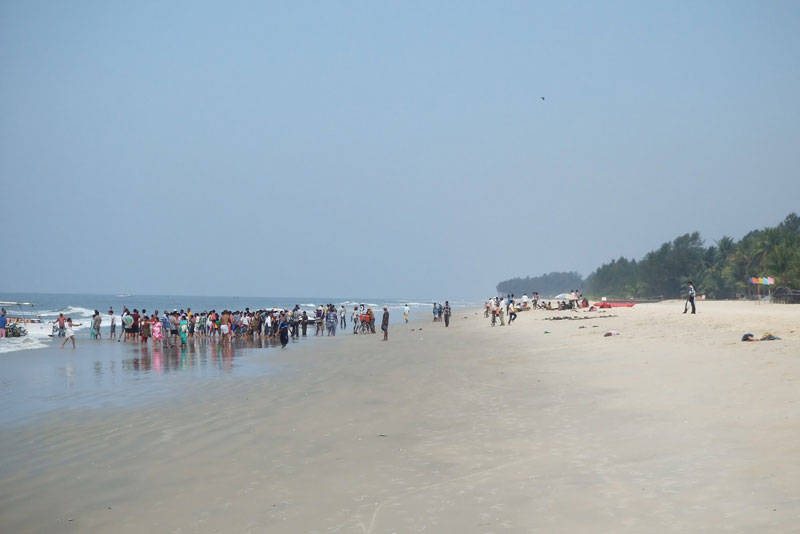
(69, 333)
(156, 328)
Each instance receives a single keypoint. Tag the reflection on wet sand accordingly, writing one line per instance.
(198, 354)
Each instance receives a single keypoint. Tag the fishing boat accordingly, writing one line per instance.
(23, 320)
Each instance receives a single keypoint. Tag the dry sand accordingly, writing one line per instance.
(674, 425)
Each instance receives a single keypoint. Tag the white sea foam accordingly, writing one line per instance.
(76, 310)
(13, 344)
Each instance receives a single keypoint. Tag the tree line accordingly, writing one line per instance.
(721, 270)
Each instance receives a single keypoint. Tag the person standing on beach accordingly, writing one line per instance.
(3, 322)
(319, 318)
(62, 321)
(343, 318)
(145, 327)
(385, 323)
(447, 312)
(165, 329)
(112, 334)
(405, 312)
(183, 328)
(127, 319)
(96, 322)
(332, 319)
(155, 327)
(690, 299)
(69, 334)
(304, 322)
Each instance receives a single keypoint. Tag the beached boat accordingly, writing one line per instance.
(614, 304)
(23, 319)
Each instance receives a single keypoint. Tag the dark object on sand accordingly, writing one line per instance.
(768, 336)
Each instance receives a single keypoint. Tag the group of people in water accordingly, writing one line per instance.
(177, 327)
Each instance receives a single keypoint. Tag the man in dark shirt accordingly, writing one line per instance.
(690, 299)
(385, 323)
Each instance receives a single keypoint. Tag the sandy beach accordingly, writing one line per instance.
(543, 426)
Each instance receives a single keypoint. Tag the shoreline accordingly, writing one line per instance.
(672, 425)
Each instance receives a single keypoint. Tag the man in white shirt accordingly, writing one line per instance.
(405, 312)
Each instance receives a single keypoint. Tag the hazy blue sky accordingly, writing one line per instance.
(383, 148)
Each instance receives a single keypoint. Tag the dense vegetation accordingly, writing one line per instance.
(721, 270)
(546, 285)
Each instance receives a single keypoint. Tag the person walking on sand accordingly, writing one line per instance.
(385, 323)
(283, 331)
(69, 334)
(690, 299)
(447, 312)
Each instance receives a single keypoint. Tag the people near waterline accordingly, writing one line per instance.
(405, 312)
(319, 318)
(342, 317)
(332, 318)
(112, 332)
(283, 331)
(145, 327)
(385, 323)
(62, 322)
(183, 330)
(447, 311)
(69, 333)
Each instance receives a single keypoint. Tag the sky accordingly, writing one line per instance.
(395, 149)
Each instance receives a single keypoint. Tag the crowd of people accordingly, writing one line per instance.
(175, 328)
(442, 313)
(498, 308)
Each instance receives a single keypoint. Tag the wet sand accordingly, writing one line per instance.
(673, 425)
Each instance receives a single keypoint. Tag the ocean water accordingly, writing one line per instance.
(80, 307)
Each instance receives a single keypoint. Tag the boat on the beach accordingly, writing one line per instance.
(615, 304)
(23, 320)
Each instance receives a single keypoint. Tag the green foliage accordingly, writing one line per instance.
(549, 285)
(718, 271)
